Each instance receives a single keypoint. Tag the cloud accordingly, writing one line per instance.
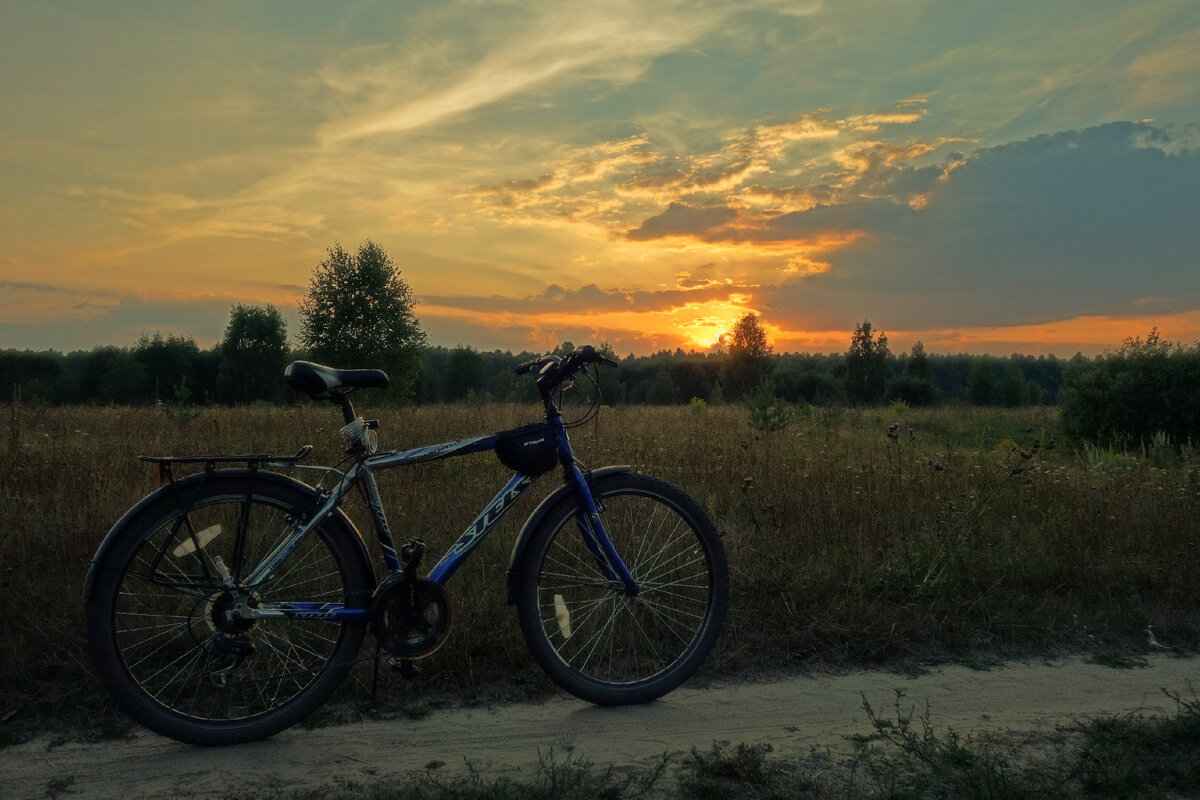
(592, 299)
(1063, 225)
(690, 313)
(13, 286)
(82, 321)
(257, 212)
(567, 44)
(743, 156)
(564, 190)
(684, 220)
(635, 190)
(873, 122)
(1167, 73)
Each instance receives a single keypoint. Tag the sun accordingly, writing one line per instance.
(723, 339)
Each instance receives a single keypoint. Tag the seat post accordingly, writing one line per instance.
(343, 399)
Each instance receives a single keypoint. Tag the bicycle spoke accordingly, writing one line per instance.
(180, 645)
(627, 645)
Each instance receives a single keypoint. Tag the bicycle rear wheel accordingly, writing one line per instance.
(166, 636)
(586, 632)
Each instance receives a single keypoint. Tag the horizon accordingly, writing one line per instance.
(986, 180)
(717, 350)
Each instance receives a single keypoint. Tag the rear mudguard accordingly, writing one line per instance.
(535, 519)
(337, 520)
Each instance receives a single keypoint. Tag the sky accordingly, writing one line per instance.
(983, 177)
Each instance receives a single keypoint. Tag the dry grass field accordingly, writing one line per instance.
(977, 536)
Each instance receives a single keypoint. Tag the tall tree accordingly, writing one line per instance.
(112, 375)
(1011, 390)
(749, 339)
(867, 365)
(981, 383)
(253, 354)
(464, 374)
(748, 360)
(359, 313)
(168, 363)
(917, 364)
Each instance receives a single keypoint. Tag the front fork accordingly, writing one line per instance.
(596, 538)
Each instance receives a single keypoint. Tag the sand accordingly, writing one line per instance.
(792, 715)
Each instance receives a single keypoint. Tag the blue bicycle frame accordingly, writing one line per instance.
(590, 525)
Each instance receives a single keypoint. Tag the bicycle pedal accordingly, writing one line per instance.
(406, 668)
(411, 555)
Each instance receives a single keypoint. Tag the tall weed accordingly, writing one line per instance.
(846, 545)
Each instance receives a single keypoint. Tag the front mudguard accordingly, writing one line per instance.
(186, 487)
(535, 519)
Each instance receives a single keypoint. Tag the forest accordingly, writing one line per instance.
(171, 369)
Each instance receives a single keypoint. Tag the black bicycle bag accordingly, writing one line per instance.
(530, 449)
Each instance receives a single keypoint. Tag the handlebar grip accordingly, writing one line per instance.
(589, 355)
(536, 364)
(570, 363)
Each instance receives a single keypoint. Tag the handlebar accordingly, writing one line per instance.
(536, 363)
(553, 370)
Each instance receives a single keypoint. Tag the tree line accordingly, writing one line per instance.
(247, 366)
(359, 312)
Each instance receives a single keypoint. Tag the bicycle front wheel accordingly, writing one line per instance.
(592, 637)
(168, 638)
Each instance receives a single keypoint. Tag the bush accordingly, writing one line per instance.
(768, 412)
(1146, 388)
(810, 386)
(912, 390)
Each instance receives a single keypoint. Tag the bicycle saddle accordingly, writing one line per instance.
(317, 380)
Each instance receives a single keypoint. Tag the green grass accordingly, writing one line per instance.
(972, 539)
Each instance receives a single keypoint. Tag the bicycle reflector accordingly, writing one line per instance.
(203, 537)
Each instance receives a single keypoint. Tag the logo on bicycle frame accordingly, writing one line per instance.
(325, 611)
(491, 515)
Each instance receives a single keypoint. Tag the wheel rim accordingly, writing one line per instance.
(181, 644)
(601, 632)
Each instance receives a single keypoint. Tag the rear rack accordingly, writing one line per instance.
(251, 460)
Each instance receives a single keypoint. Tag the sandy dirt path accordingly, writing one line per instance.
(791, 714)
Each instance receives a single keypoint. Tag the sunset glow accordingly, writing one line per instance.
(981, 180)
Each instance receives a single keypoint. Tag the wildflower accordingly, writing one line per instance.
(895, 426)
(911, 435)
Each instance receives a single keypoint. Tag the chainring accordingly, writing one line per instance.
(410, 617)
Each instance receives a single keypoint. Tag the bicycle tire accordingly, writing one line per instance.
(157, 647)
(599, 643)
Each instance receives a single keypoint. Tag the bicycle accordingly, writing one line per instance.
(230, 603)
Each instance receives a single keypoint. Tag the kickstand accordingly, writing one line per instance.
(375, 673)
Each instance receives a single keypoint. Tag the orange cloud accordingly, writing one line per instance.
(1090, 334)
(691, 315)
